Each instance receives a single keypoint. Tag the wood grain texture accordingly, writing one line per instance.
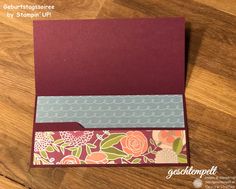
(210, 92)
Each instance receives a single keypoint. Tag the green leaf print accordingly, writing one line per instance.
(58, 141)
(63, 146)
(177, 145)
(91, 145)
(111, 140)
(44, 154)
(182, 158)
(136, 160)
(50, 149)
(77, 152)
(88, 150)
(114, 153)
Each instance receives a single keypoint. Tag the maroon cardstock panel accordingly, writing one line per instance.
(109, 57)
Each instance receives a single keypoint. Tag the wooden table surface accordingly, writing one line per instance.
(210, 92)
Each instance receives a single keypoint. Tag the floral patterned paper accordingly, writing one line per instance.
(110, 147)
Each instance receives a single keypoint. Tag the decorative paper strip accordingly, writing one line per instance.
(110, 147)
(124, 111)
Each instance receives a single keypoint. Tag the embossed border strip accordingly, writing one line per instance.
(126, 111)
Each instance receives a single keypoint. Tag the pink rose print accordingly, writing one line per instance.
(134, 143)
(166, 137)
(76, 138)
(96, 158)
(70, 160)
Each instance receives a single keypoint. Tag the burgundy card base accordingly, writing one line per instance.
(109, 57)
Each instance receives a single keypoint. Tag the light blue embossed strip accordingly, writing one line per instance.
(129, 111)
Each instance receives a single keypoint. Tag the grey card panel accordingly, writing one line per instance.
(131, 111)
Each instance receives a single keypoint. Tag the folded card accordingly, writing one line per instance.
(110, 92)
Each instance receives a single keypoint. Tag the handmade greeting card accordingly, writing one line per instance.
(110, 93)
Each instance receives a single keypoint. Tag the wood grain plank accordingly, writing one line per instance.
(109, 8)
(222, 5)
(212, 90)
(7, 183)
